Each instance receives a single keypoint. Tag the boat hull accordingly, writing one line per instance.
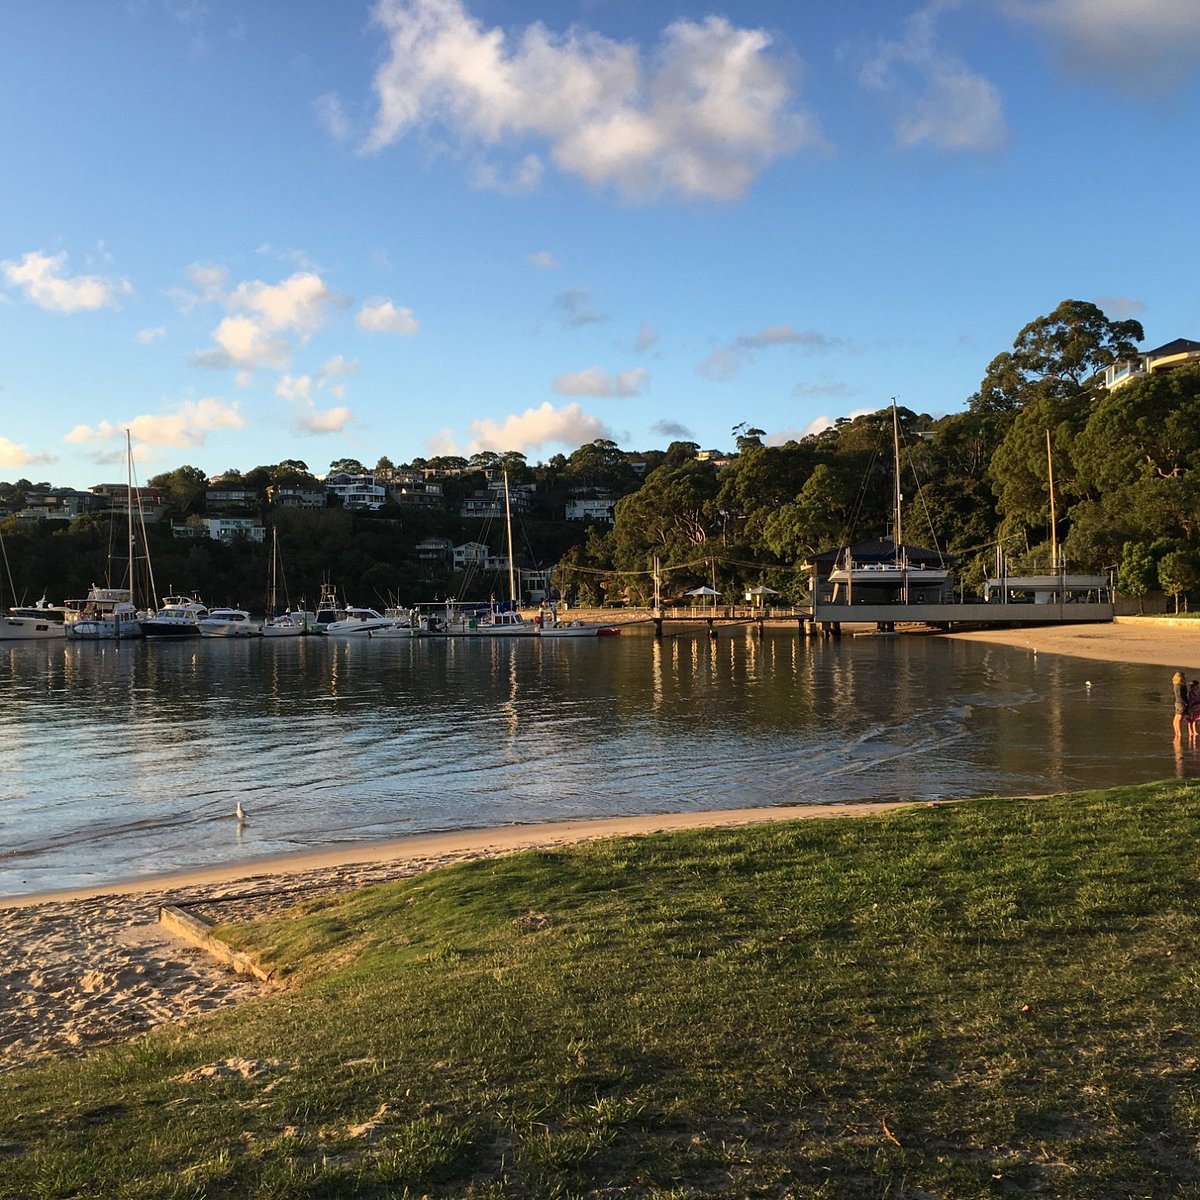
(169, 631)
(29, 629)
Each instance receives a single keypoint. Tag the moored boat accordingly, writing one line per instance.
(363, 622)
(288, 624)
(33, 622)
(106, 613)
(561, 629)
(230, 623)
(178, 617)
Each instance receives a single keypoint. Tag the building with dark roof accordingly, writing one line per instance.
(1182, 352)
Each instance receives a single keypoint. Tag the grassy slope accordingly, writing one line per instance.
(998, 998)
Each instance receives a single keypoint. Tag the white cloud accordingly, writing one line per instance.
(320, 421)
(593, 381)
(726, 361)
(535, 428)
(519, 180)
(935, 98)
(816, 425)
(382, 316)
(185, 428)
(1148, 46)
(146, 336)
(42, 278)
(207, 284)
(709, 111)
(297, 390)
(544, 260)
(12, 455)
(268, 321)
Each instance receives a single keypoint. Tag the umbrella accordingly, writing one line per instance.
(704, 591)
(761, 590)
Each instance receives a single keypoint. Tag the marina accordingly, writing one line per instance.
(129, 758)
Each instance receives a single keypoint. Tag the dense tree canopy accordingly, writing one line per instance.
(1125, 463)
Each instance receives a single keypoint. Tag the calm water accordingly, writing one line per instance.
(117, 761)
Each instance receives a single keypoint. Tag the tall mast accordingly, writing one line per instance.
(129, 511)
(897, 532)
(274, 567)
(512, 574)
(1053, 520)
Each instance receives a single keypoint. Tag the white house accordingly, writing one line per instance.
(357, 491)
(1179, 353)
(596, 509)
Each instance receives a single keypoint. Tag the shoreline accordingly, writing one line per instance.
(420, 847)
(91, 966)
(1147, 641)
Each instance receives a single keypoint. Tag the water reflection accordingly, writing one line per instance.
(125, 759)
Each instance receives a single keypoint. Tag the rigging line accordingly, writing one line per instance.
(12, 588)
(912, 466)
(855, 513)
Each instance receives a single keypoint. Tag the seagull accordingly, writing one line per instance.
(239, 812)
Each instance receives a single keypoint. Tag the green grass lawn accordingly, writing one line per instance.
(999, 998)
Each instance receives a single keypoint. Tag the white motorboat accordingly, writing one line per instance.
(107, 613)
(33, 622)
(230, 623)
(560, 629)
(506, 624)
(178, 617)
(288, 624)
(363, 622)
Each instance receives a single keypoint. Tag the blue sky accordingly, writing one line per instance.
(250, 232)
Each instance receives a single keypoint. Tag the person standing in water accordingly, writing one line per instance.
(1179, 685)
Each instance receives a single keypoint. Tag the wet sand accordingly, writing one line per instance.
(1155, 642)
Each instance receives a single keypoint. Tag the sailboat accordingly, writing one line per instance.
(111, 612)
(1048, 587)
(277, 624)
(485, 620)
(889, 573)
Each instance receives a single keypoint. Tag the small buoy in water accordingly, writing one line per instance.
(239, 812)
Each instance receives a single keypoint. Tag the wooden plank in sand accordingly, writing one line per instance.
(198, 931)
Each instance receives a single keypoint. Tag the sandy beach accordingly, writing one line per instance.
(85, 967)
(1154, 641)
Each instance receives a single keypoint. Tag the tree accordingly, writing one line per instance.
(1138, 573)
(670, 516)
(347, 466)
(1179, 573)
(182, 489)
(1068, 348)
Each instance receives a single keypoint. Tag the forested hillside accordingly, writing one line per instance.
(1124, 467)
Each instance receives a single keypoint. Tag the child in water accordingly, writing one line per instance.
(1193, 709)
(1180, 690)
